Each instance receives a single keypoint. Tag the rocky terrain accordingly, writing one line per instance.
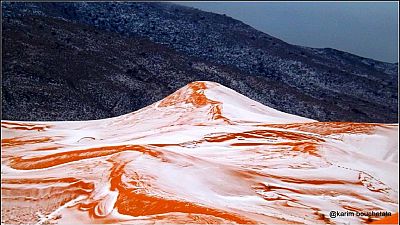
(81, 61)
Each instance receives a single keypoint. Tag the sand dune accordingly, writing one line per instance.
(205, 154)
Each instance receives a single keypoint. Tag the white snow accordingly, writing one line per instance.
(237, 167)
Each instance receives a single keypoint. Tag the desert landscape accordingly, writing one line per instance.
(204, 154)
(199, 112)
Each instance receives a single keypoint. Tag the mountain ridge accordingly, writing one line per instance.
(323, 84)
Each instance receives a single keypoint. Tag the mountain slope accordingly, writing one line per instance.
(204, 154)
(141, 52)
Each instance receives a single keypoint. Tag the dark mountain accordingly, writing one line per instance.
(80, 61)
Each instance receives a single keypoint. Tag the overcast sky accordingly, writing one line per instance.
(368, 29)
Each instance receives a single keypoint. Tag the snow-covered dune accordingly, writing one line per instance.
(205, 154)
